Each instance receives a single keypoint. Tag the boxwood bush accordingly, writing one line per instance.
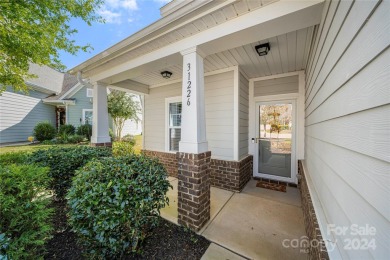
(85, 130)
(25, 219)
(122, 148)
(44, 131)
(64, 161)
(113, 201)
(67, 129)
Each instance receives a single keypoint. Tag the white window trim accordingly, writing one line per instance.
(167, 102)
(89, 92)
(86, 110)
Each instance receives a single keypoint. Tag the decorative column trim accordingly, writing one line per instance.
(236, 114)
(100, 127)
(193, 127)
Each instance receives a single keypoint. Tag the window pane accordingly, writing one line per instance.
(174, 139)
(175, 114)
(88, 117)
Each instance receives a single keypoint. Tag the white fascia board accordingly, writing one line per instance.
(272, 20)
(40, 89)
(58, 102)
(72, 91)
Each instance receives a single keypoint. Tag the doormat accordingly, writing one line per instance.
(271, 186)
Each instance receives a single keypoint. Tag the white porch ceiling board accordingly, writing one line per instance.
(229, 12)
(301, 41)
(288, 53)
(291, 50)
(241, 7)
(282, 47)
(276, 56)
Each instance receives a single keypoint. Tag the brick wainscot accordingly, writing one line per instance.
(311, 224)
(228, 175)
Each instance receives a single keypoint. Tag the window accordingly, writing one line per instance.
(89, 92)
(87, 116)
(174, 124)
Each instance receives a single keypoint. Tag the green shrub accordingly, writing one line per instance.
(85, 130)
(63, 161)
(129, 139)
(14, 158)
(64, 138)
(114, 201)
(25, 219)
(49, 142)
(122, 148)
(44, 131)
(68, 129)
(75, 139)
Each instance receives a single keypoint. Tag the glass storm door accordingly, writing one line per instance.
(274, 137)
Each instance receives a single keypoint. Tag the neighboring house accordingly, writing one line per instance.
(20, 112)
(54, 97)
(207, 78)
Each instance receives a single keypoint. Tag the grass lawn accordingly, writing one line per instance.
(138, 144)
(27, 148)
(33, 147)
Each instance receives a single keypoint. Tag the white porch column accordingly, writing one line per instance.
(100, 129)
(193, 124)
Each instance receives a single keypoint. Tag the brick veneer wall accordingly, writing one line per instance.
(231, 175)
(311, 223)
(193, 189)
(169, 160)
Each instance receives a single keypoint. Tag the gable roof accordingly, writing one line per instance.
(49, 80)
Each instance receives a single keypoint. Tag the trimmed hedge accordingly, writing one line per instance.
(67, 129)
(25, 219)
(64, 161)
(122, 148)
(85, 130)
(113, 201)
(44, 131)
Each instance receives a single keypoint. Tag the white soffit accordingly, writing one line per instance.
(289, 52)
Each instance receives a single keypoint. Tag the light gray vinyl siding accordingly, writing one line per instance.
(219, 104)
(243, 115)
(75, 112)
(154, 121)
(20, 113)
(347, 126)
(219, 115)
(276, 86)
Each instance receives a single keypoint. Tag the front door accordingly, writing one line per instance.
(275, 140)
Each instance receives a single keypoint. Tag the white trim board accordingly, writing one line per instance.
(167, 102)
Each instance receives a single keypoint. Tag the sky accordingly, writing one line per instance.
(123, 18)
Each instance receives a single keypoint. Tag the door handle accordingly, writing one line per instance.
(255, 140)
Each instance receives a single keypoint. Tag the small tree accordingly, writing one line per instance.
(36, 31)
(121, 107)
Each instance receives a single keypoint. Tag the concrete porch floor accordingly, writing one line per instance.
(251, 224)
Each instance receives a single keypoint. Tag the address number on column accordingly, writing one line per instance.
(189, 84)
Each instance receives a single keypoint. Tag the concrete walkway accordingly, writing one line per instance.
(252, 224)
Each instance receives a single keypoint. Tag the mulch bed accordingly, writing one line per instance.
(167, 241)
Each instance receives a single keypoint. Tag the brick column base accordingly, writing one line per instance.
(193, 189)
(101, 145)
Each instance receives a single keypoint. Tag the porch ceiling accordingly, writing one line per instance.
(289, 52)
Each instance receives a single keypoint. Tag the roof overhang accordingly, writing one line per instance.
(58, 102)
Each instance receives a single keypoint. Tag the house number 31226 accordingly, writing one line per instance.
(189, 84)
